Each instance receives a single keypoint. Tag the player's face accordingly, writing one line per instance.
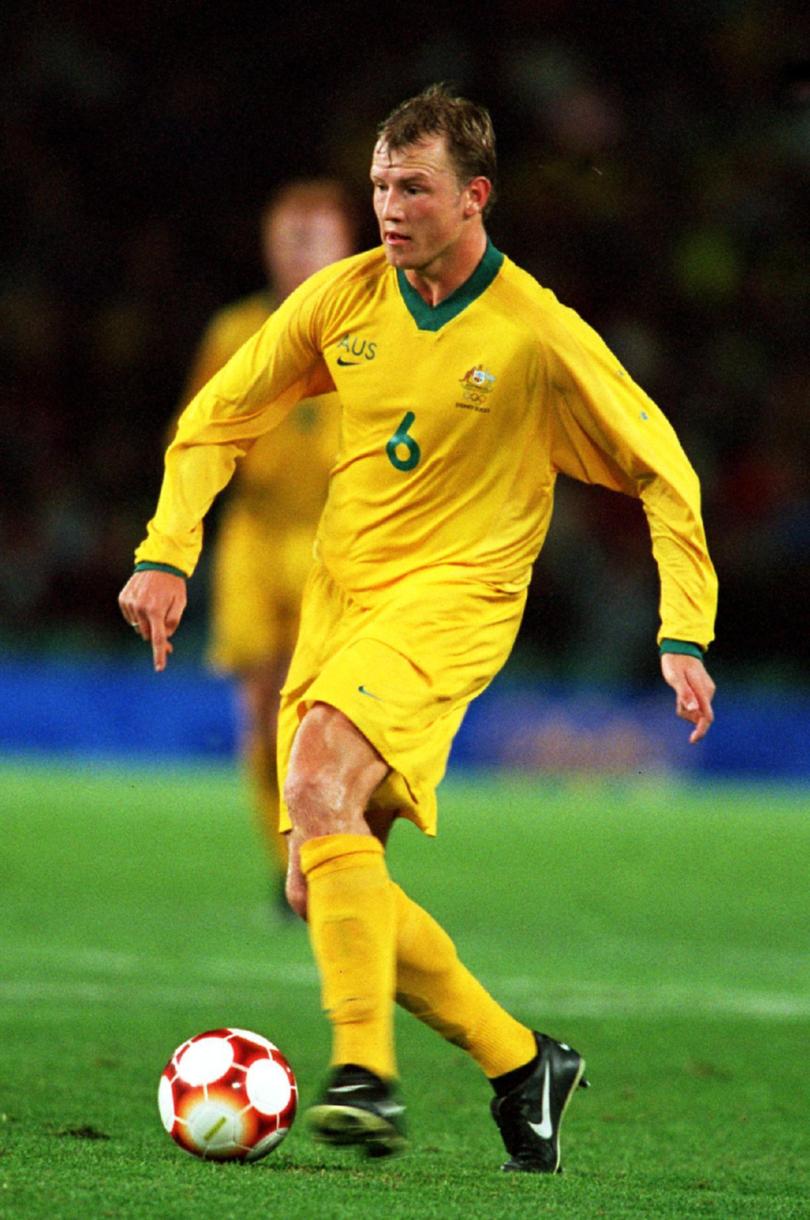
(421, 206)
(298, 241)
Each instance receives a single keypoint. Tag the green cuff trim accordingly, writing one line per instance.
(146, 565)
(684, 647)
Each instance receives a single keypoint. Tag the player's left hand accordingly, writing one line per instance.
(694, 691)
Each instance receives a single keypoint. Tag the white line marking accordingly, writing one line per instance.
(106, 977)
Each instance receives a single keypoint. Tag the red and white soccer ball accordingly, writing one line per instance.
(228, 1095)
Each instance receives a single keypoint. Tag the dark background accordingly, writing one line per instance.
(654, 163)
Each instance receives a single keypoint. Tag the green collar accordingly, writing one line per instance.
(428, 317)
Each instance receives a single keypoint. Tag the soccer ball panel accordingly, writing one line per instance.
(205, 1061)
(268, 1086)
(166, 1103)
(214, 1128)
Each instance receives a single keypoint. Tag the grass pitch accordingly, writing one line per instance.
(661, 929)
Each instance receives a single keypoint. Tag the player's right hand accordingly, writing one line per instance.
(694, 691)
(153, 603)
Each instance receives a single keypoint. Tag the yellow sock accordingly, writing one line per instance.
(433, 984)
(262, 772)
(350, 910)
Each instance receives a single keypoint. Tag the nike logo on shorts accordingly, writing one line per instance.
(363, 691)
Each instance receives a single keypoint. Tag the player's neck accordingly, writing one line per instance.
(450, 269)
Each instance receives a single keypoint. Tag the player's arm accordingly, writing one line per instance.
(248, 397)
(606, 430)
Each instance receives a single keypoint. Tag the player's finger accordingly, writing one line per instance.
(155, 634)
(131, 611)
(704, 723)
(127, 609)
(133, 618)
(700, 731)
(695, 705)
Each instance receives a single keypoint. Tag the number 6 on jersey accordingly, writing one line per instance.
(401, 440)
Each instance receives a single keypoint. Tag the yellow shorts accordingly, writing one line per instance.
(403, 669)
(259, 572)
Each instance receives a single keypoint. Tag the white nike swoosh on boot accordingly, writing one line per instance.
(544, 1128)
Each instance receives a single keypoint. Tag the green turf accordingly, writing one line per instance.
(657, 927)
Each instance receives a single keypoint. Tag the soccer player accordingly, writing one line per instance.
(263, 548)
(465, 389)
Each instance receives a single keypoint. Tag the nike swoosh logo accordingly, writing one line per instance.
(370, 694)
(346, 1088)
(345, 362)
(544, 1128)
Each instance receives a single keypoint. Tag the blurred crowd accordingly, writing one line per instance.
(654, 170)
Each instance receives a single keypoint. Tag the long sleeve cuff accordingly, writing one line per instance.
(684, 647)
(146, 565)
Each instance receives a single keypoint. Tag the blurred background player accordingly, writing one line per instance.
(264, 541)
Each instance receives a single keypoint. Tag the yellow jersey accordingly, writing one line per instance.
(456, 420)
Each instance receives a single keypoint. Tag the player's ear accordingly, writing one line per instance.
(477, 193)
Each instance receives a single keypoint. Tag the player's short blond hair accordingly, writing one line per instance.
(465, 125)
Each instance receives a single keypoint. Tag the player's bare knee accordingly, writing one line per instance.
(316, 801)
(301, 798)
